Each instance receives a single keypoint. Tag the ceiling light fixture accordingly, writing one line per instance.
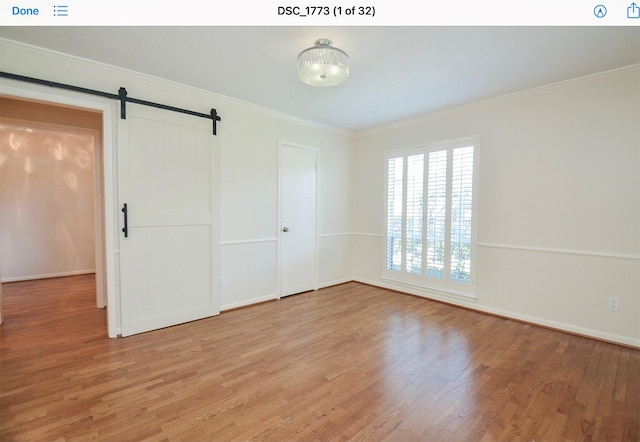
(323, 65)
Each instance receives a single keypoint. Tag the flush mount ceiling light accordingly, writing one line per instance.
(323, 65)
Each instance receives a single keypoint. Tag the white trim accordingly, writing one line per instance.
(248, 302)
(48, 54)
(290, 118)
(282, 142)
(431, 146)
(330, 235)
(563, 326)
(440, 292)
(247, 241)
(461, 302)
(559, 251)
(334, 282)
(48, 275)
(371, 235)
(428, 116)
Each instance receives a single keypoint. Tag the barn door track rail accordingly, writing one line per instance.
(121, 95)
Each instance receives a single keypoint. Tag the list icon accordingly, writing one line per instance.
(60, 10)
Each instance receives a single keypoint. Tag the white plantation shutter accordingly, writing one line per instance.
(430, 216)
(461, 213)
(436, 213)
(413, 230)
(395, 177)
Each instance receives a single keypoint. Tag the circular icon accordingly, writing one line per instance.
(600, 11)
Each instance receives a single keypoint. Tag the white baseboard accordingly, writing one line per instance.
(247, 302)
(573, 329)
(47, 275)
(335, 282)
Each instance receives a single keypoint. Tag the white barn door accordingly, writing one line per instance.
(168, 179)
(298, 182)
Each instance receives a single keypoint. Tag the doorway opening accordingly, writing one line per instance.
(52, 192)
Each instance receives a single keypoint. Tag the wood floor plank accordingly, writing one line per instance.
(350, 362)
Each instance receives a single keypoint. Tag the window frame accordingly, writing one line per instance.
(446, 285)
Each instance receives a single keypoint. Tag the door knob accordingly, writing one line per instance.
(285, 229)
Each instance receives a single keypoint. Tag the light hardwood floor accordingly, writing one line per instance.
(350, 362)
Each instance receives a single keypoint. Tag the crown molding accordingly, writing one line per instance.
(60, 57)
(414, 121)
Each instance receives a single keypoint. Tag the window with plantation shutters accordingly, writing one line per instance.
(395, 177)
(461, 213)
(413, 229)
(436, 213)
(430, 216)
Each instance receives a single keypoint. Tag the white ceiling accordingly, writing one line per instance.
(396, 72)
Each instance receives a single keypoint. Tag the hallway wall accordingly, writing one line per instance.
(47, 192)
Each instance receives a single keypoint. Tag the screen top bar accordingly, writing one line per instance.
(320, 13)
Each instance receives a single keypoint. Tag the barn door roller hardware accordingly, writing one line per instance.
(124, 99)
(121, 95)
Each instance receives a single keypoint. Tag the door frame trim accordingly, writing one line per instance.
(29, 91)
(281, 144)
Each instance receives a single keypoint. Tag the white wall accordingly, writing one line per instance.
(249, 202)
(559, 191)
(559, 202)
(46, 201)
(249, 137)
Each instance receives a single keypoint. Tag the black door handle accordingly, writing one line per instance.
(125, 229)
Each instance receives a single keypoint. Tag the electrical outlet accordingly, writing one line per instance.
(614, 304)
(223, 281)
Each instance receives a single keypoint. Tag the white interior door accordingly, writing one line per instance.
(298, 180)
(168, 178)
